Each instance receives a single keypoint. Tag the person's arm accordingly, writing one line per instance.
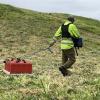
(57, 34)
(73, 31)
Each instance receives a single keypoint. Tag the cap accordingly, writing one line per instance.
(71, 18)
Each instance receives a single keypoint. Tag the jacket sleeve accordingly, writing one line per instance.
(73, 31)
(57, 34)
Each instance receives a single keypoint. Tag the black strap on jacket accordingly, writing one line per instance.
(64, 29)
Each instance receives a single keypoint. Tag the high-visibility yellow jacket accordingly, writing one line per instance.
(67, 43)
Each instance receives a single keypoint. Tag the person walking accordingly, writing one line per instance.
(66, 32)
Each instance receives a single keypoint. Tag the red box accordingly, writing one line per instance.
(21, 67)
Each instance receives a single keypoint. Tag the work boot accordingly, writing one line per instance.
(63, 71)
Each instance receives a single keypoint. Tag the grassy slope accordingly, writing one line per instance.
(23, 31)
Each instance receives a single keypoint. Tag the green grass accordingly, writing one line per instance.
(23, 32)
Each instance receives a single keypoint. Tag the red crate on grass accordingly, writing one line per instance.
(18, 67)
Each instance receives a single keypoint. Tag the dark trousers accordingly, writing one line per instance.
(68, 58)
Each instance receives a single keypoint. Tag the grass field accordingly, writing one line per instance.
(23, 32)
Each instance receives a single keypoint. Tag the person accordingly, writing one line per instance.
(67, 45)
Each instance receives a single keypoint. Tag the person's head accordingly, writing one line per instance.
(71, 19)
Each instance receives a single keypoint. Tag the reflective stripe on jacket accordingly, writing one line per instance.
(67, 43)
